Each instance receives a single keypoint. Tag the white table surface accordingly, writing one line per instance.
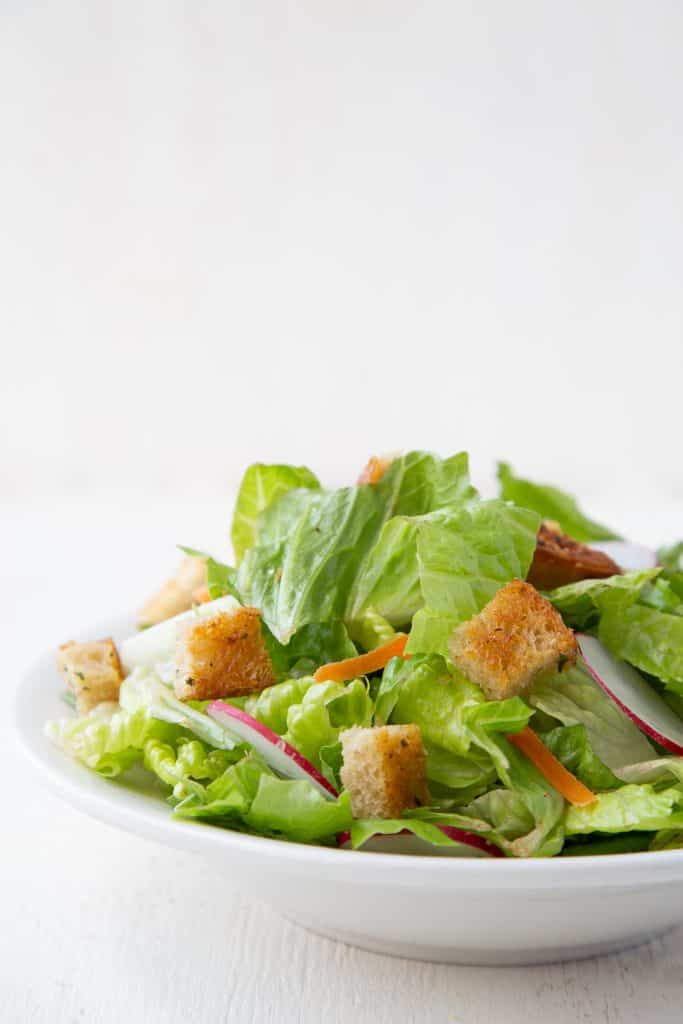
(102, 927)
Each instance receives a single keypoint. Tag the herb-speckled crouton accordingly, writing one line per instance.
(385, 770)
(224, 656)
(512, 640)
(177, 594)
(92, 671)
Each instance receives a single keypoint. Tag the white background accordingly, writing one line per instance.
(306, 232)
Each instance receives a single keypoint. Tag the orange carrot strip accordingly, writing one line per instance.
(553, 770)
(374, 470)
(201, 595)
(339, 671)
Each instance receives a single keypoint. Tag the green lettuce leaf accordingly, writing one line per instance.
(303, 568)
(314, 561)
(433, 695)
(671, 560)
(551, 503)
(661, 595)
(311, 646)
(227, 799)
(220, 579)
(297, 810)
(261, 485)
(631, 808)
(465, 555)
(662, 770)
(578, 603)
(573, 698)
(570, 745)
(649, 639)
(364, 829)
(668, 839)
(543, 802)
(415, 485)
(109, 741)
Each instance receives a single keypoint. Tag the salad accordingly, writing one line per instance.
(402, 663)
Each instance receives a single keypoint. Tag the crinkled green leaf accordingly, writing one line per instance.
(297, 810)
(570, 745)
(631, 808)
(109, 741)
(465, 555)
(649, 639)
(261, 485)
(551, 503)
(578, 602)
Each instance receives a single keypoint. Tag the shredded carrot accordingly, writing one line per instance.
(553, 770)
(339, 671)
(201, 595)
(374, 470)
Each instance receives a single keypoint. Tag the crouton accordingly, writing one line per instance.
(517, 636)
(224, 656)
(92, 671)
(177, 594)
(559, 560)
(385, 770)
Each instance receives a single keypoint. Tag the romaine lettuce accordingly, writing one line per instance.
(578, 603)
(631, 808)
(261, 485)
(573, 698)
(551, 503)
(649, 639)
(465, 555)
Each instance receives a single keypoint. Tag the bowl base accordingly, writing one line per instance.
(477, 957)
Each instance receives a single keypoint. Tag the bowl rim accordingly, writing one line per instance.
(118, 805)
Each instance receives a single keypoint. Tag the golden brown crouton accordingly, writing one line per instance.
(223, 656)
(514, 638)
(92, 671)
(559, 560)
(385, 770)
(177, 594)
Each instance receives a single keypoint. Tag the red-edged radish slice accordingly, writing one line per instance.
(275, 751)
(632, 694)
(406, 842)
(628, 556)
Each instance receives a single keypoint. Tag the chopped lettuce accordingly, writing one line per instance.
(631, 808)
(579, 603)
(571, 746)
(649, 639)
(465, 555)
(261, 485)
(573, 698)
(297, 810)
(551, 503)
(315, 557)
(671, 560)
(109, 741)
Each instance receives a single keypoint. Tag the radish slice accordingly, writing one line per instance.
(407, 843)
(275, 751)
(627, 555)
(632, 694)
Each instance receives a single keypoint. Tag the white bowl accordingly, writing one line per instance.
(469, 911)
